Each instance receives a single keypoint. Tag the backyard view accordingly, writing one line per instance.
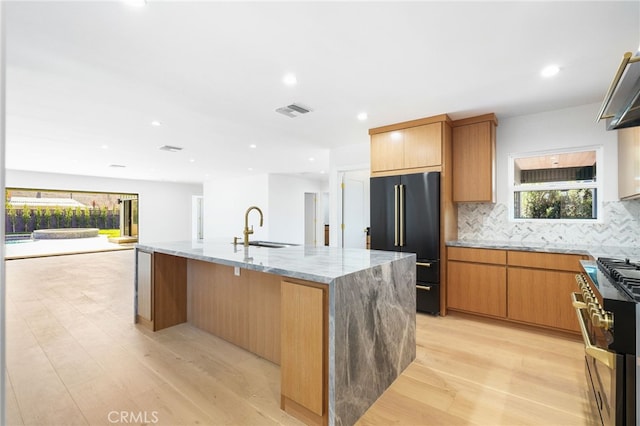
(28, 210)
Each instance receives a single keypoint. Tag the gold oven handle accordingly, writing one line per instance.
(426, 265)
(604, 356)
(424, 287)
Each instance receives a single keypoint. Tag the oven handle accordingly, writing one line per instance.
(602, 355)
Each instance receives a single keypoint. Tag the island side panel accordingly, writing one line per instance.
(170, 290)
(372, 336)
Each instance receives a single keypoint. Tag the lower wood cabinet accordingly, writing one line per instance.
(304, 366)
(522, 286)
(542, 297)
(478, 288)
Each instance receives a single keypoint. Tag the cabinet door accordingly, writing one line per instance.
(478, 288)
(474, 162)
(542, 297)
(387, 151)
(423, 146)
(629, 163)
(302, 354)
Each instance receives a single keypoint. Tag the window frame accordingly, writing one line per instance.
(597, 185)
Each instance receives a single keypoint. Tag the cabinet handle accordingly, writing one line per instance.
(424, 287)
(426, 265)
(401, 215)
(395, 215)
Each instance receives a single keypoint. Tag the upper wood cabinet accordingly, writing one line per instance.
(409, 147)
(629, 163)
(474, 152)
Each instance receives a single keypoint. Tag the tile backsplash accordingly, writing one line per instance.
(490, 222)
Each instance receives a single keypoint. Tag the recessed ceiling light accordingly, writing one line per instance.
(322, 172)
(105, 147)
(550, 71)
(135, 3)
(156, 123)
(312, 159)
(362, 116)
(253, 145)
(290, 79)
(250, 169)
(191, 160)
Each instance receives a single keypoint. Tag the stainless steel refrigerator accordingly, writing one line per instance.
(405, 216)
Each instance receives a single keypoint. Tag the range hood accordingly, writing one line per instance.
(621, 105)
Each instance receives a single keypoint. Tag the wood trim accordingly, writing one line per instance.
(448, 210)
(477, 119)
(302, 413)
(144, 322)
(407, 171)
(548, 261)
(478, 255)
(169, 290)
(411, 123)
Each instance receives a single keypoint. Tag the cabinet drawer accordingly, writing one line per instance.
(552, 261)
(478, 255)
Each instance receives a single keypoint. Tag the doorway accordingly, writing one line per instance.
(355, 208)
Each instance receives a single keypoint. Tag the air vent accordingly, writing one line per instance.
(117, 166)
(294, 110)
(170, 148)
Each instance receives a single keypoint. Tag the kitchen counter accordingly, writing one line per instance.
(370, 305)
(632, 253)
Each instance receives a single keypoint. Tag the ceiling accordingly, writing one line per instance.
(86, 79)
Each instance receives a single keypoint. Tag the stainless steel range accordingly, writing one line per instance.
(608, 308)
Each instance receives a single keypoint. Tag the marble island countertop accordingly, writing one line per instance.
(320, 264)
(632, 253)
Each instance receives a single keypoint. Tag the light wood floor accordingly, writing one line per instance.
(74, 357)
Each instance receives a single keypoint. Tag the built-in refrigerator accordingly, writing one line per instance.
(405, 216)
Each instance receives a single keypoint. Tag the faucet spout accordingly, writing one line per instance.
(248, 231)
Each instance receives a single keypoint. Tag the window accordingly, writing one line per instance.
(554, 186)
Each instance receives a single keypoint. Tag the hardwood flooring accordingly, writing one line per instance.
(74, 356)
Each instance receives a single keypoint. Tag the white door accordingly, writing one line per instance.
(310, 219)
(353, 211)
(197, 208)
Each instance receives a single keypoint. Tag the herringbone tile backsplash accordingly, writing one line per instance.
(490, 222)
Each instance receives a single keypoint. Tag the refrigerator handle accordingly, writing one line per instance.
(401, 215)
(395, 215)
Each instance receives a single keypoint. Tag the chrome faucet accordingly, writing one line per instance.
(248, 231)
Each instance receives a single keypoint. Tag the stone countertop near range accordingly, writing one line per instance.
(632, 253)
(319, 264)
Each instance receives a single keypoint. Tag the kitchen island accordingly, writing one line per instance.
(339, 322)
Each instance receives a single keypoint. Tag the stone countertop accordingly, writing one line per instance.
(632, 253)
(319, 264)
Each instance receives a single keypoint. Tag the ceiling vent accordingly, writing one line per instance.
(117, 166)
(293, 110)
(170, 148)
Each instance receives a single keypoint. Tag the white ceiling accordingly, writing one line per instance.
(81, 75)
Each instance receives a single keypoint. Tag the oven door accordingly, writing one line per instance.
(600, 369)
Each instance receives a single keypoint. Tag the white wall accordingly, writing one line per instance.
(286, 206)
(565, 128)
(164, 208)
(225, 204)
(280, 197)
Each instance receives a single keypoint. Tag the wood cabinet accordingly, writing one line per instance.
(540, 287)
(409, 147)
(169, 291)
(474, 152)
(477, 281)
(629, 163)
(304, 329)
(528, 287)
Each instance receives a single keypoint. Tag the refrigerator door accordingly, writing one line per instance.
(384, 193)
(420, 217)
